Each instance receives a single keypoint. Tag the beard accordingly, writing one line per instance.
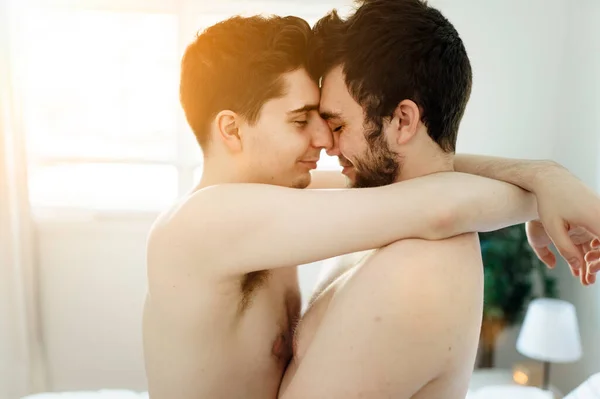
(379, 166)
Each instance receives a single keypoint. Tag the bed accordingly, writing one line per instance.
(589, 389)
(102, 394)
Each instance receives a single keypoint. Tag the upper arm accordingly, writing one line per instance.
(402, 319)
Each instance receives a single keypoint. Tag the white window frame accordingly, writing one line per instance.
(189, 13)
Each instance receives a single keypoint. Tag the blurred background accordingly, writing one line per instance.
(93, 144)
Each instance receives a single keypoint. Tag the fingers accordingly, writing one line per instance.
(583, 275)
(592, 263)
(592, 224)
(580, 236)
(592, 256)
(567, 249)
(594, 267)
(589, 269)
(592, 259)
(545, 255)
(587, 276)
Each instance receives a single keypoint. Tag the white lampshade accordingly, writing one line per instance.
(550, 332)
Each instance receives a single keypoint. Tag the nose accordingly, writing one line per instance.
(322, 137)
(334, 149)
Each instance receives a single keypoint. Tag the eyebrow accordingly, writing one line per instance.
(306, 108)
(327, 115)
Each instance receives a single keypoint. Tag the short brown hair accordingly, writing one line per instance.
(237, 64)
(393, 50)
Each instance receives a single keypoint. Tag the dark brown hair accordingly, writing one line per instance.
(237, 65)
(392, 50)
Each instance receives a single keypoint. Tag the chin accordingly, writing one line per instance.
(301, 181)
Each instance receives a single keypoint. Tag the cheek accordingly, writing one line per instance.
(289, 147)
(344, 145)
(350, 144)
(297, 142)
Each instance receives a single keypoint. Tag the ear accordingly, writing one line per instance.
(405, 121)
(228, 129)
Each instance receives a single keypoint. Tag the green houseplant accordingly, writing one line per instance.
(513, 276)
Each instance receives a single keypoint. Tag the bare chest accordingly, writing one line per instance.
(316, 311)
(308, 325)
(250, 343)
(312, 318)
(269, 311)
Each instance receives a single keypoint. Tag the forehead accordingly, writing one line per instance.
(335, 97)
(300, 90)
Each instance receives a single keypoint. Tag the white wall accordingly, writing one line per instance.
(515, 49)
(92, 285)
(92, 278)
(578, 148)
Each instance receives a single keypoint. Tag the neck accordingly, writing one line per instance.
(426, 163)
(219, 171)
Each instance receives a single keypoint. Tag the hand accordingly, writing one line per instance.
(587, 244)
(565, 205)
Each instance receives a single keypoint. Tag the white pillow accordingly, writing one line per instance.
(590, 389)
(510, 391)
(102, 394)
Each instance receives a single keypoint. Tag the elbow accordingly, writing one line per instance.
(444, 224)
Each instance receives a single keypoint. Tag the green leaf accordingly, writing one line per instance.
(510, 269)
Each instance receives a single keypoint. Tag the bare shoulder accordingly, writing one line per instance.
(416, 257)
(175, 258)
(186, 227)
(185, 212)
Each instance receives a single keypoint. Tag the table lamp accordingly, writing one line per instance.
(550, 334)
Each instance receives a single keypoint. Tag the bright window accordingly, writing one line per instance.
(97, 84)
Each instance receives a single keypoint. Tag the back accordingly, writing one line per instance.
(405, 323)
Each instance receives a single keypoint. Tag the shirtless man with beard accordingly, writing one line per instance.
(404, 321)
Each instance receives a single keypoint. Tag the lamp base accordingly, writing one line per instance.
(528, 373)
(546, 377)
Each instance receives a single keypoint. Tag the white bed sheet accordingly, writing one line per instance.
(102, 394)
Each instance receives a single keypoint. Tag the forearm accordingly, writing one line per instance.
(492, 205)
(522, 173)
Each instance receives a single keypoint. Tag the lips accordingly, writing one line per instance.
(311, 163)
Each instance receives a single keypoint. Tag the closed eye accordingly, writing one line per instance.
(301, 123)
